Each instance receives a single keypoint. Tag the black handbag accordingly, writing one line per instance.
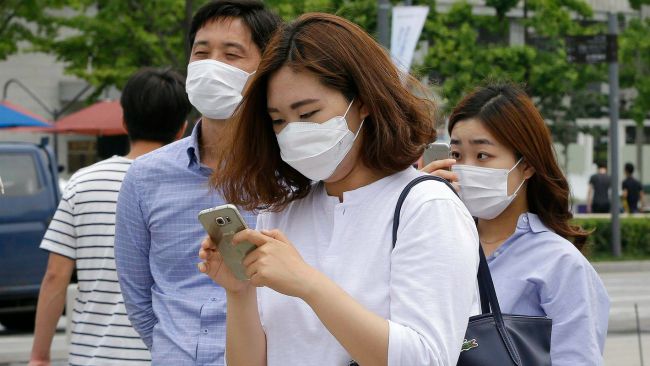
(493, 338)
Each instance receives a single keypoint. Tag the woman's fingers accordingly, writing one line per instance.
(251, 236)
(208, 243)
(276, 234)
(444, 164)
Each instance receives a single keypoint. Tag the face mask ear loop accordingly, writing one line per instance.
(522, 182)
(359, 130)
(513, 168)
(349, 106)
(518, 188)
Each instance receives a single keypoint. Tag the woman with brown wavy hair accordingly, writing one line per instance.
(324, 140)
(509, 179)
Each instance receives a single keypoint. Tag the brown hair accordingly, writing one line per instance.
(345, 58)
(512, 118)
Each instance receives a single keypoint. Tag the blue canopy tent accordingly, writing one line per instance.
(14, 116)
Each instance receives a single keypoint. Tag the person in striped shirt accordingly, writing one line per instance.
(155, 107)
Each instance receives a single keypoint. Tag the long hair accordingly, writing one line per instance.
(510, 115)
(343, 57)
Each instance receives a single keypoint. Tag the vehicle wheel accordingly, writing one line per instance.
(19, 321)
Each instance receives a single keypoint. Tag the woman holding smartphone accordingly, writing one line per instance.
(324, 140)
(504, 162)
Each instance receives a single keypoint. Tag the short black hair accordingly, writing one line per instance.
(601, 164)
(261, 21)
(629, 168)
(155, 105)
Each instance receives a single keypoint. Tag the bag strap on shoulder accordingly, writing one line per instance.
(489, 300)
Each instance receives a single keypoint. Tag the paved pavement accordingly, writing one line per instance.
(628, 283)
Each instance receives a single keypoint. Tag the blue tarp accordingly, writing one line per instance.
(10, 117)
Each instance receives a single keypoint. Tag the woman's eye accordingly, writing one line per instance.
(307, 115)
(232, 56)
(482, 156)
(454, 155)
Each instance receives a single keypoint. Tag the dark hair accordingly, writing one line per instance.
(629, 168)
(155, 105)
(261, 21)
(510, 115)
(345, 58)
(601, 164)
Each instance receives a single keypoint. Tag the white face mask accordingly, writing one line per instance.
(485, 190)
(316, 149)
(214, 87)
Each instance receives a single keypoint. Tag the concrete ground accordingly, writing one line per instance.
(628, 283)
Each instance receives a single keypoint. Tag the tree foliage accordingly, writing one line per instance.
(636, 4)
(105, 41)
(20, 20)
(635, 66)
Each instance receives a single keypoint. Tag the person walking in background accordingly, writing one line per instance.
(632, 189)
(598, 194)
(509, 180)
(81, 233)
(180, 313)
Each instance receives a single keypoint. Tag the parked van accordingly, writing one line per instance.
(29, 195)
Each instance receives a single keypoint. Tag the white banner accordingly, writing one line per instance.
(407, 25)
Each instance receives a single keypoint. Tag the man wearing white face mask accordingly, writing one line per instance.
(177, 311)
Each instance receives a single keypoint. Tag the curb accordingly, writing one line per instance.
(622, 266)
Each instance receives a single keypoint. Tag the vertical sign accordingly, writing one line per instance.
(408, 22)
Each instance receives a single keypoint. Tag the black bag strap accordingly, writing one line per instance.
(489, 300)
(483, 290)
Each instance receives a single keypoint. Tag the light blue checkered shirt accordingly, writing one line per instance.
(179, 312)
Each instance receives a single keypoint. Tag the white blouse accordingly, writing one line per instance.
(425, 287)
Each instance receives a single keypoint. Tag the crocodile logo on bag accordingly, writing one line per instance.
(468, 345)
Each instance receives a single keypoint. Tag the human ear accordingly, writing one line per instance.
(528, 170)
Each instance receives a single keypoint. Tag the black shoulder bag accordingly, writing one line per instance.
(493, 338)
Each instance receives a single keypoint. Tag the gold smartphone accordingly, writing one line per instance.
(222, 223)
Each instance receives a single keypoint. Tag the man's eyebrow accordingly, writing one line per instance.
(201, 43)
(234, 44)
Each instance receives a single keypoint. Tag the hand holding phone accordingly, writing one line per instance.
(436, 161)
(222, 223)
(436, 151)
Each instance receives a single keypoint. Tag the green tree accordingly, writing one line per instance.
(19, 21)
(466, 49)
(105, 41)
(635, 73)
(636, 4)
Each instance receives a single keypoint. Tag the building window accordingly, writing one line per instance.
(630, 135)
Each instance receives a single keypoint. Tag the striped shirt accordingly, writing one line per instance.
(83, 229)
